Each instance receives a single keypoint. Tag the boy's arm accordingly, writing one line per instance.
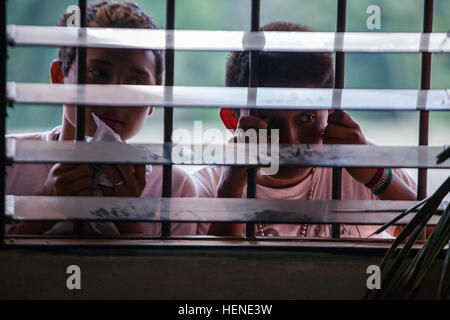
(233, 181)
(342, 129)
(62, 180)
(77, 180)
(231, 185)
(32, 228)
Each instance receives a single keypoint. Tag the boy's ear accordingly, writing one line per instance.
(229, 119)
(150, 111)
(56, 72)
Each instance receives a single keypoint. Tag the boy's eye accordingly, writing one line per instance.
(136, 81)
(307, 118)
(98, 74)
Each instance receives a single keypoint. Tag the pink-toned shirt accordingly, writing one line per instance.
(208, 178)
(28, 180)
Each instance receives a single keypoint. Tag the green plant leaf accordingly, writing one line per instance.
(443, 285)
(444, 155)
(400, 216)
(399, 275)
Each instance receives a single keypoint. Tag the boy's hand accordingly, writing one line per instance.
(234, 179)
(69, 180)
(342, 129)
(128, 180)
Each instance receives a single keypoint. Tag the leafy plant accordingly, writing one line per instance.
(401, 277)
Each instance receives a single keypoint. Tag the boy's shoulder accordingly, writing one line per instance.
(210, 172)
(207, 180)
(182, 183)
(26, 179)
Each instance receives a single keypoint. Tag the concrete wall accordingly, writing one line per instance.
(191, 273)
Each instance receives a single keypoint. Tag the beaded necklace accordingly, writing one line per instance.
(303, 227)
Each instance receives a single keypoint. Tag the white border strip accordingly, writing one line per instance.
(215, 97)
(202, 210)
(227, 40)
(32, 151)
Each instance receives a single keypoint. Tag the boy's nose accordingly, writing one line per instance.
(121, 80)
(288, 133)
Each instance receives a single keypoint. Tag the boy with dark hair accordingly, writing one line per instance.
(104, 66)
(297, 70)
(283, 69)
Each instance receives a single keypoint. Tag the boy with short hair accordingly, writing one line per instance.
(297, 70)
(104, 66)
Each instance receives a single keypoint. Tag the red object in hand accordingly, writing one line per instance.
(229, 119)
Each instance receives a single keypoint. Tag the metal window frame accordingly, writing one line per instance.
(3, 57)
(168, 111)
(339, 83)
(253, 82)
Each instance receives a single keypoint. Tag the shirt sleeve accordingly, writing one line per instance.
(206, 180)
(404, 176)
(183, 185)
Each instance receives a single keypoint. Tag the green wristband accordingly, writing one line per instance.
(385, 184)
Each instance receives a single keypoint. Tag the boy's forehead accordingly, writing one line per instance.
(143, 60)
(280, 82)
(130, 53)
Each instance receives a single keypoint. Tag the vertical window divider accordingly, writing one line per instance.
(168, 110)
(80, 129)
(339, 83)
(3, 57)
(425, 84)
(424, 116)
(253, 82)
